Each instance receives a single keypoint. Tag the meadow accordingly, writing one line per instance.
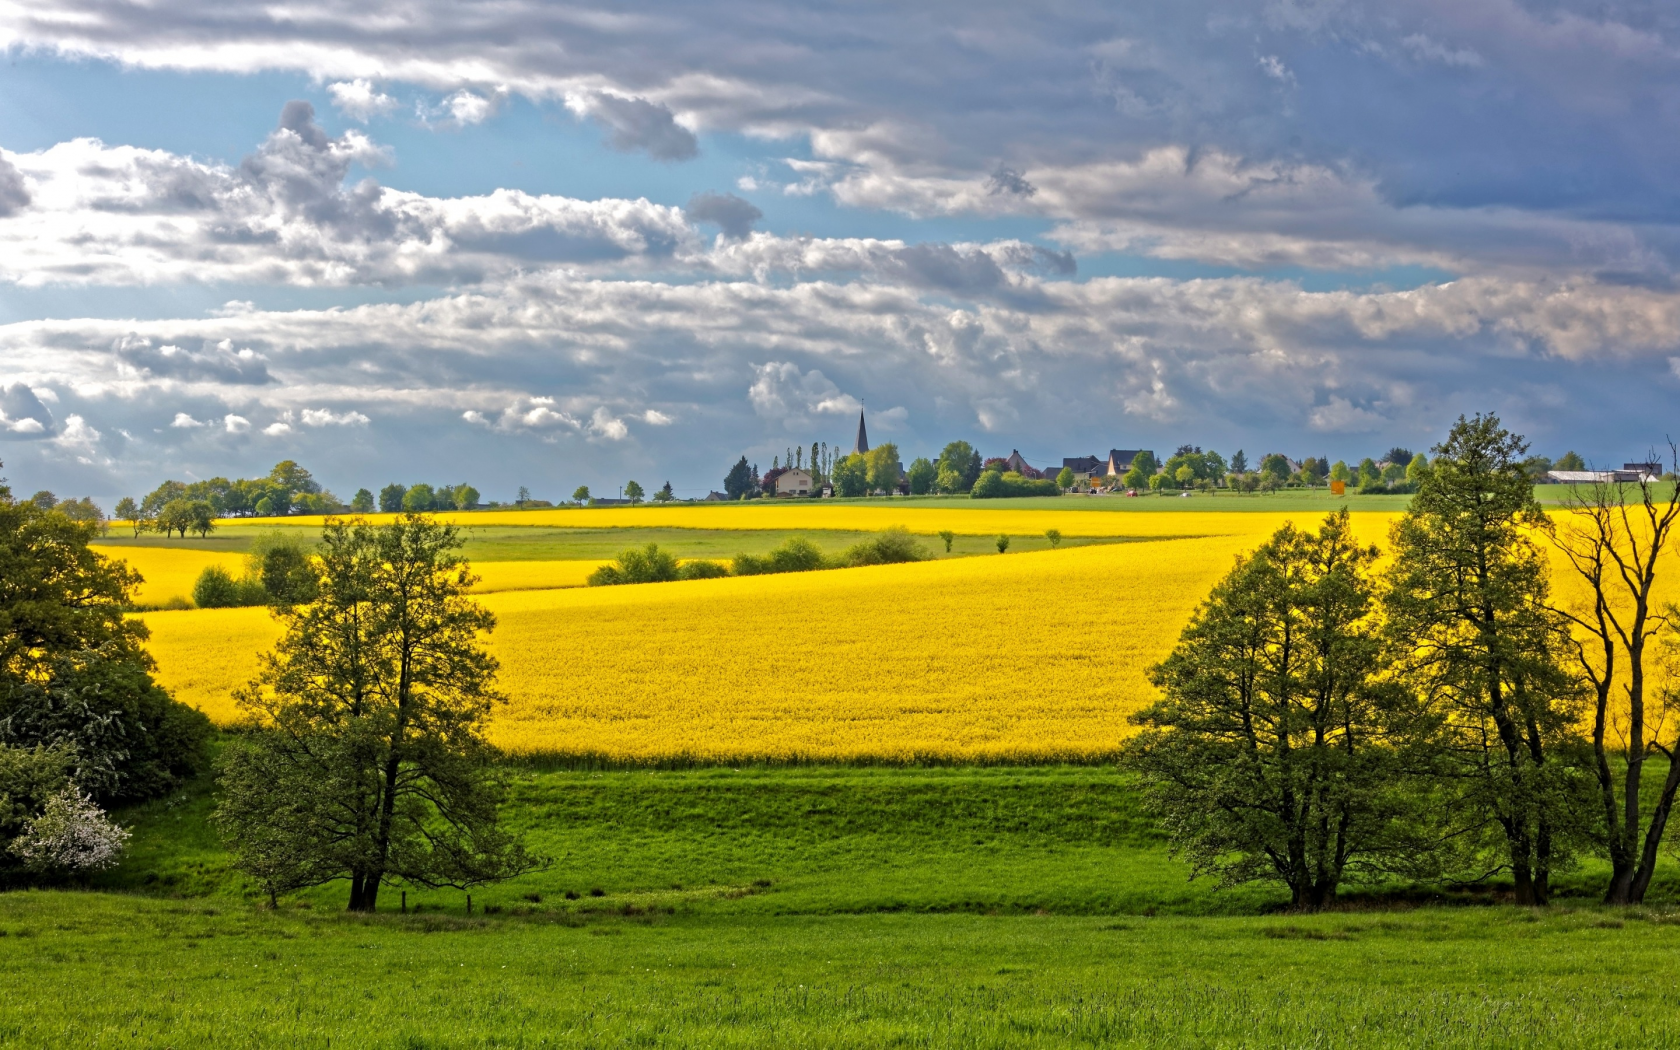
(825, 907)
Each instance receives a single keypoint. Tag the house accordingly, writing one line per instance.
(716, 497)
(828, 490)
(1020, 466)
(1120, 460)
(1594, 477)
(1653, 469)
(1083, 466)
(794, 482)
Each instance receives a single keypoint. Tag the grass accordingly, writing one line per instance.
(503, 543)
(822, 907)
(101, 971)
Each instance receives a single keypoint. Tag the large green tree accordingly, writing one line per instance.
(1467, 605)
(957, 468)
(366, 759)
(73, 672)
(1271, 755)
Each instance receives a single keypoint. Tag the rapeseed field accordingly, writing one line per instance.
(1028, 657)
(170, 572)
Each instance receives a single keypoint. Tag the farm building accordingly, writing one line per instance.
(794, 482)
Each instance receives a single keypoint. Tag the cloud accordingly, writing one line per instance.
(1341, 416)
(280, 429)
(654, 417)
(729, 213)
(219, 362)
(359, 100)
(288, 215)
(22, 414)
(604, 424)
(183, 421)
(322, 417)
(638, 125)
(235, 424)
(781, 391)
(14, 193)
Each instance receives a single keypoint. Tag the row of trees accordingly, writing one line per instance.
(82, 723)
(1443, 715)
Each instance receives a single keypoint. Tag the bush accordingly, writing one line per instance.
(648, 565)
(702, 570)
(995, 485)
(218, 589)
(796, 555)
(890, 547)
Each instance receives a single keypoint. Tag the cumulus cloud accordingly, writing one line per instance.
(360, 100)
(638, 125)
(288, 215)
(14, 194)
(732, 216)
(781, 391)
(22, 414)
(323, 417)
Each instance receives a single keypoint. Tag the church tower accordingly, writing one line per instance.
(863, 436)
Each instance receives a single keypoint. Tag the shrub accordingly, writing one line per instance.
(285, 569)
(796, 555)
(1002, 544)
(702, 570)
(995, 485)
(890, 547)
(217, 588)
(648, 565)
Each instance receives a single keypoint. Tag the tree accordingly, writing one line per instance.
(1339, 472)
(581, 494)
(419, 499)
(1184, 475)
(366, 759)
(362, 502)
(73, 669)
(183, 516)
(949, 537)
(633, 492)
(883, 468)
(1064, 478)
(1419, 464)
(522, 497)
(1570, 461)
(72, 834)
(1239, 462)
(286, 569)
(665, 495)
(129, 511)
(1275, 465)
(1467, 604)
(1617, 546)
(1054, 536)
(465, 497)
(739, 481)
(44, 499)
(1146, 462)
(1399, 455)
(1134, 478)
(958, 467)
(391, 498)
(1269, 755)
(1369, 477)
(851, 476)
(1002, 544)
(922, 474)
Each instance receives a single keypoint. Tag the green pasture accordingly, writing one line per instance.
(821, 907)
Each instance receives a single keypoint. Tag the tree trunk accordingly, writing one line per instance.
(1641, 880)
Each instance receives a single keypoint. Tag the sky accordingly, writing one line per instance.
(540, 244)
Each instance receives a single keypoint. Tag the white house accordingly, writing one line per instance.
(795, 482)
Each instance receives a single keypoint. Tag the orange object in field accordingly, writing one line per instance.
(1338, 488)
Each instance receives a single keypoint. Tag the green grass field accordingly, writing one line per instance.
(815, 906)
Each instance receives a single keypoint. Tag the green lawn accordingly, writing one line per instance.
(815, 906)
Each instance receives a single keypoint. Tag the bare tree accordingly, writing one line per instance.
(1615, 536)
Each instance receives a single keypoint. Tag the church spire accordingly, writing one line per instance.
(862, 444)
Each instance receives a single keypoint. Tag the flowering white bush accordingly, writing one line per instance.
(71, 834)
